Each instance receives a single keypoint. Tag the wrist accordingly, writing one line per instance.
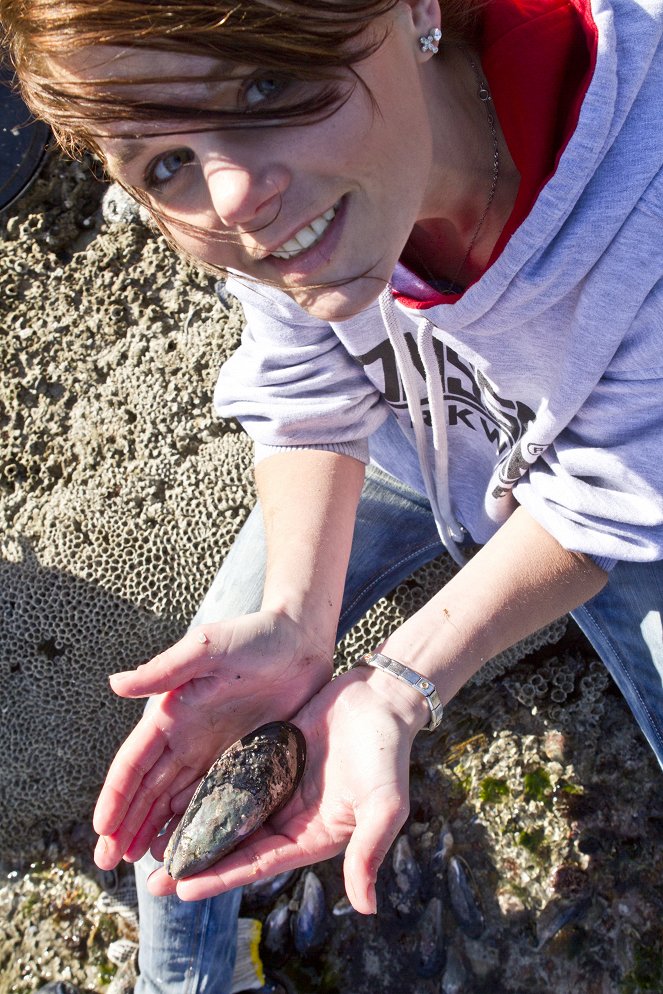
(313, 651)
(424, 705)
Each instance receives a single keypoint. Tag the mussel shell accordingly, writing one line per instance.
(464, 896)
(309, 924)
(432, 951)
(247, 784)
(276, 935)
(404, 887)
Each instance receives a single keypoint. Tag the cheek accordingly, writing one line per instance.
(209, 247)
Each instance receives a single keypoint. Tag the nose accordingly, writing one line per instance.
(245, 193)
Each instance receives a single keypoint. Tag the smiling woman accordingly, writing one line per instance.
(98, 73)
(427, 211)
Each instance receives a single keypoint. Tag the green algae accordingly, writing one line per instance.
(538, 786)
(493, 790)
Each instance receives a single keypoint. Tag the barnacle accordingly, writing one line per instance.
(567, 691)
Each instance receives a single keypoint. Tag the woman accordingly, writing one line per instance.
(444, 228)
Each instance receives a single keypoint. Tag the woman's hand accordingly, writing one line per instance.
(354, 794)
(219, 682)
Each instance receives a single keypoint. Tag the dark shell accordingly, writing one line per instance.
(464, 897)
(309, 924)
(557, 914)
(405, 885)
(432, 952)
(276, 935)
(247, 784)
(264, 891)
(454, 978)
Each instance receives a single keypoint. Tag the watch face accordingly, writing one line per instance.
(22, 143)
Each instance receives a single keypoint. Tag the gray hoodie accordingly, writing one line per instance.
(543, 383)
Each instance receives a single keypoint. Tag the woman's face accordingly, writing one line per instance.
(322, 210)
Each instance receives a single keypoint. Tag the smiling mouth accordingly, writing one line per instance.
(307, 236)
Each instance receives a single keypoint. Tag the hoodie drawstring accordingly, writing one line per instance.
(435, 470)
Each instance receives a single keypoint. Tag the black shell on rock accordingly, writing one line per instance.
(276, 939)
(404, 888)
(247, 784)
(432, 951)
(464, 896)
(309, 924)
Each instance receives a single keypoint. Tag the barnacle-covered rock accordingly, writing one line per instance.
(250, 781)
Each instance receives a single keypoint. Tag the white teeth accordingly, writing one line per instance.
(319, 225)
(306, 236)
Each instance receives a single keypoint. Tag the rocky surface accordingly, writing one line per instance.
(119, 494)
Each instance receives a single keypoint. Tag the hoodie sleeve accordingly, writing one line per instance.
(292, 384)
(599, 487)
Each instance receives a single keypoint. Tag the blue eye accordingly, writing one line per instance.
(167, 166)
(264, 88)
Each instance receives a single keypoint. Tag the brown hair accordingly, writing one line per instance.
(301, 39)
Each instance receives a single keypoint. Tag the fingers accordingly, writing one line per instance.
(378, 823)
(188, 659)
(161, 812)
(137, 755)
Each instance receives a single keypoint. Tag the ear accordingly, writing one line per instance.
(425, 15)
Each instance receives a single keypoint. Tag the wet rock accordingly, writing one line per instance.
(431, 940)
(309, 924)
(464, 897)
(250, 781)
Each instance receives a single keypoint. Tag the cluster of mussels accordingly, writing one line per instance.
(256, 777)
(430, 906)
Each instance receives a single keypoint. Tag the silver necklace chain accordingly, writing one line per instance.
(485, 97)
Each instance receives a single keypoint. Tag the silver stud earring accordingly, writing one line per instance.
(429, 42)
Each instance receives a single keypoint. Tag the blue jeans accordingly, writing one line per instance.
(188, 948)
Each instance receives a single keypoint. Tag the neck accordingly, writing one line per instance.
(475, 183)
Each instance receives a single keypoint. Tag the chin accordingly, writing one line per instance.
(340, 302)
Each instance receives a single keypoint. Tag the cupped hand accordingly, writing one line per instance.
(354, 794)
(222, 680)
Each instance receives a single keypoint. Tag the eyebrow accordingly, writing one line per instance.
(128, 150)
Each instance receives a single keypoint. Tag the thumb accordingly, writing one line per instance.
(378, 824)
(190, 658)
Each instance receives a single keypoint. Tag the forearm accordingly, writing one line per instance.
(519, 581)
(309, 500)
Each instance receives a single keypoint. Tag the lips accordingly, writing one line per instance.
(306, 237)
